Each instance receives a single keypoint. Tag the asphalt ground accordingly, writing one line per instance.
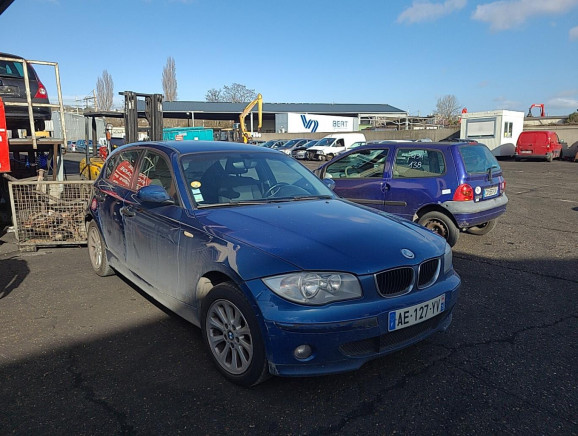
(81, 354)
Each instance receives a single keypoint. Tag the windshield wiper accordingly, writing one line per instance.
(312, 197)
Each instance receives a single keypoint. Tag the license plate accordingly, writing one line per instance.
(402, 318)
(526, 151)
(491, 191)
(9, 90)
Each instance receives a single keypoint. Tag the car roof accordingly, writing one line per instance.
(183, 147)
(8, 55)
(439, 145)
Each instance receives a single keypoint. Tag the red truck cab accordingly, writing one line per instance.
(538, 144)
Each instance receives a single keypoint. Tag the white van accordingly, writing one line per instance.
(331, 145)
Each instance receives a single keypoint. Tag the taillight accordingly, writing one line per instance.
(464, 193)
(41, 93)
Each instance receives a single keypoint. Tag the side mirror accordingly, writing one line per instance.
(154, 194)
(330, 183)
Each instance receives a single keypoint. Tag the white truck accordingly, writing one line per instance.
(331, 145)
(498, 130)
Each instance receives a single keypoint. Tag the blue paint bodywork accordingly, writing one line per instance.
(408, 197)
(172, 249)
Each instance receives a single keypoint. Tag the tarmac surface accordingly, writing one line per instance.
(81, 354)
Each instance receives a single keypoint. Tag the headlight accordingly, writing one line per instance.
(315, 288)
(447, 259)
(320, 152)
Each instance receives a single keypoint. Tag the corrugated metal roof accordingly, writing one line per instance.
(313, 108)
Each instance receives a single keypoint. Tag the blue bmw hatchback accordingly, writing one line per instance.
(215, 232)
(446, 187)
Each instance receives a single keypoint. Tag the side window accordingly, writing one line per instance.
(361, 164)
(120, 169)
(508, 128)
(155, 170)
(418, 162)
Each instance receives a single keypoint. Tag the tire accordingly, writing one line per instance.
(482, 229)
(441, 224)
(329, 157)
(549, 157)
(97, 251)
(232, 334)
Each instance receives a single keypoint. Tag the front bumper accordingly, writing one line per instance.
(344, 336)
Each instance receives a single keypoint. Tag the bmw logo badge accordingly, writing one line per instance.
(407, 253)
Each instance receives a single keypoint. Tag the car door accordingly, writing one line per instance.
(358, 176)
(416, 179)
(152, 231)
(110, 191)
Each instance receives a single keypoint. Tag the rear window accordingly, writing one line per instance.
(11, 69)
(478, 159)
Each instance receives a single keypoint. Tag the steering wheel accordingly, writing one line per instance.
(274, 190)
(351, 172)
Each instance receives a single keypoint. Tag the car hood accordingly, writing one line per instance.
(324, 234)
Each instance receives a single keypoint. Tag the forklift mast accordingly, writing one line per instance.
(153, 113)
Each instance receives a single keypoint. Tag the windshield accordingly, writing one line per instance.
(478, 159)
(325, 142)
(290, 143)
(217, 179)
(310, 144)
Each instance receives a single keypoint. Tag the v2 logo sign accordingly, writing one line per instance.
(311, 125)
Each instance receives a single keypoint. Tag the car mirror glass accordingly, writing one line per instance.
(154, 194)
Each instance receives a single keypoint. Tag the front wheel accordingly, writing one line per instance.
(97, 251)
(441, 224)
(232, 334)
(482, 229)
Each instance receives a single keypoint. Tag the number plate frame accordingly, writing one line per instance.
(412, 315)
(492, 191)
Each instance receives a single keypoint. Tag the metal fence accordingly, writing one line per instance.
(48, 213)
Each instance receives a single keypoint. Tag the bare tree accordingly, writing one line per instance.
(213, 95)
(447, 109)
(236, 93)
(170, 80)
(104, 91)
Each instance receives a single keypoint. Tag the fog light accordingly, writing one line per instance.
(302, 352)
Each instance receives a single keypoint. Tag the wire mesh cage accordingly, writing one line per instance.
(47, 213)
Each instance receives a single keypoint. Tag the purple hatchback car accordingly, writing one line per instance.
(446, 187)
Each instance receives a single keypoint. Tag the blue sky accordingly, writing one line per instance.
(489, 54)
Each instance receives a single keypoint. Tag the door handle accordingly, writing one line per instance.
(127, 211)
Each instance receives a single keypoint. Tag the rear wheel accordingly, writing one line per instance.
(97, 251)
(482, 229)
(441, 224)
(232, 333)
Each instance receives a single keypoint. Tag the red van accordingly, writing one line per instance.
(542, 144)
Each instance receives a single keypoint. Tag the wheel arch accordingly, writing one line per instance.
(433, 208)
